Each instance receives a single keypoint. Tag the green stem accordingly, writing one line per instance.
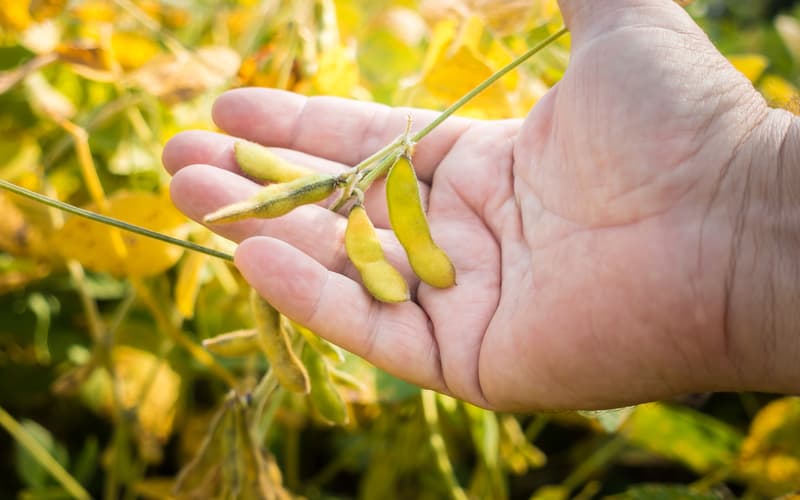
(46, 200)
(41, 456)
(431, 415)
(480, 88)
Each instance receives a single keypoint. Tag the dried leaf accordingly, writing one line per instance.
(179, 77)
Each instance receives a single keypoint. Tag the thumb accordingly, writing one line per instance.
(590, 19)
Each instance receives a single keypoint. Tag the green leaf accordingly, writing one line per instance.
(28, 468)
(699, 441)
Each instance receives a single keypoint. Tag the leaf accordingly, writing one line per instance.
(46, 100)
(751, 65)
(91, 243)
(28, 468)
(699, 441)
(188, 284)
(454, 65)
(789, 29)
(133, 50)
(14, 15)
(146, 384)
(662, 492)
(770, 455)
(610, 420)
(179, 77)
(777, 90)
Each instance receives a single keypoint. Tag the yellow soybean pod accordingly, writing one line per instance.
(276, 346)
(278, 199)
(408, 221)
(324, 396)
(234, 344)
(259, 162)
(380, 278)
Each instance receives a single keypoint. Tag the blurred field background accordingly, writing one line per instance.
(105, 391)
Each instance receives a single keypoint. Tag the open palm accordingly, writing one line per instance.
(591, 240)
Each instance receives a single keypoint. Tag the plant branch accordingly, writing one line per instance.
(113, 222)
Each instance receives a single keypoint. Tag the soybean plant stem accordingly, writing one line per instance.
(403, 144)
(112, 222)
(481, 87)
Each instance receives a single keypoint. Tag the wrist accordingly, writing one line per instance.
(762, 285)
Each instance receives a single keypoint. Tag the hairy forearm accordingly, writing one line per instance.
(763, 283)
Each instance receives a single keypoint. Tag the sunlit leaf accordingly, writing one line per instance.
(777, 90)
(751, 65)
(132, 49)
(770, 455)
(14, 15)
(188, 285)
(454, 65)
(697, 440)
(91, 243)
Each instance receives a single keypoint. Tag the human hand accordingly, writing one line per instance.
(595, 242)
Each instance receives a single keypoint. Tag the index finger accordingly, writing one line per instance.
(337, 129)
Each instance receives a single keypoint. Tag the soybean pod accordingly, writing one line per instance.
(233, 344)
(324, 396)
(409, 223)
(259, 162)
(379, 277)
(275, 343)
(278, 199)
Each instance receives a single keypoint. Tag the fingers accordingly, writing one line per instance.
(395, 337)
(200, 189)
(340, 130)
(194, 147)
(201, 147)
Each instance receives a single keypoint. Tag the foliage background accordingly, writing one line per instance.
(99, 331)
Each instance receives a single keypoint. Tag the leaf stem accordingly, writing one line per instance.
(46, 200)
(42, 456)
(483, 85)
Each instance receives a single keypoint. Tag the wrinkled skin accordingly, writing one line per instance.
(606, 246)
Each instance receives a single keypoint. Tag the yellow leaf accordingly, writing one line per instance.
(777, 91)
(146, 383)
(698, 440)
(188, 283)
(751, 65)
(133, 50)
(337, 72)
(91, 243)
(41, 10)
(454, 66)
(770, 455)
(14, 15)
(100, 11)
